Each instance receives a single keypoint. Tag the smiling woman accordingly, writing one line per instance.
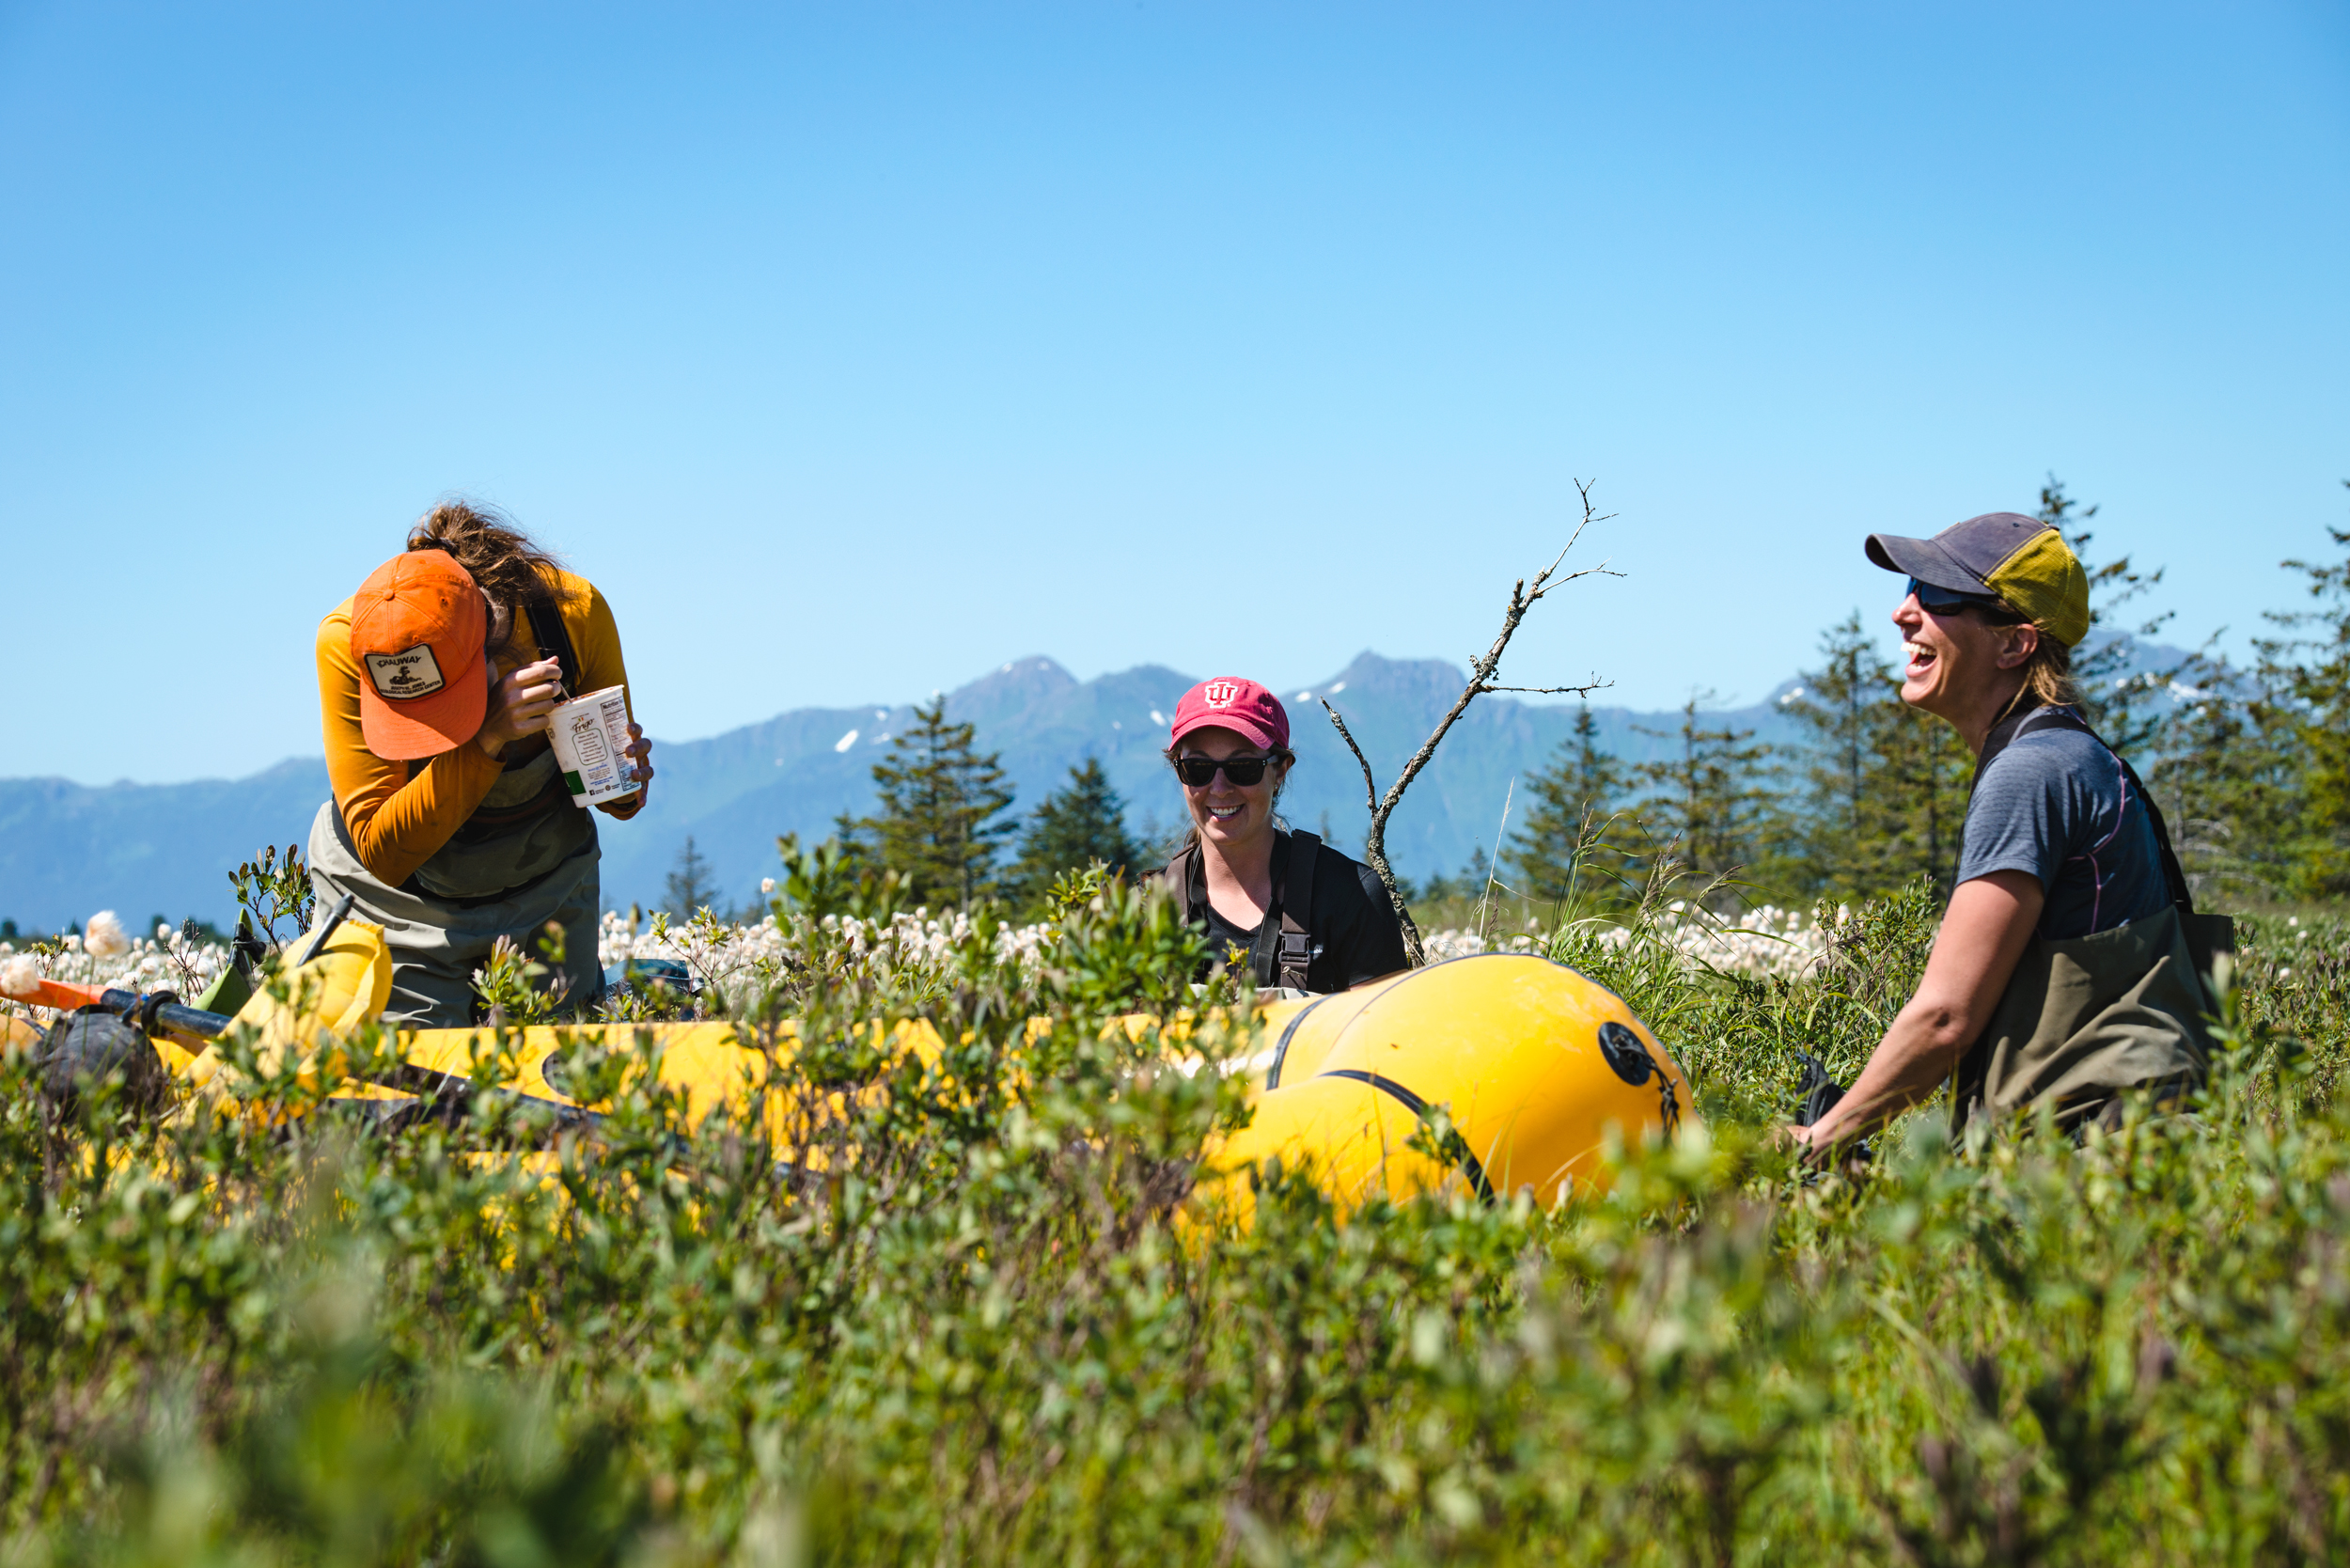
(2070, 967)
(1286, 907)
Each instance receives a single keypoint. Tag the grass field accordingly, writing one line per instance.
(967, 1312)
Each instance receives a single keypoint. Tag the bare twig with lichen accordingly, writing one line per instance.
(1523, 596)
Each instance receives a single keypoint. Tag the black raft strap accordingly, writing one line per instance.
(1455, 1147)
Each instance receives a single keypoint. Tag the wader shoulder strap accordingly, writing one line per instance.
(2053, 718)
(2029, 722)
(555, 640)
(1174, 879)
(1285, 945)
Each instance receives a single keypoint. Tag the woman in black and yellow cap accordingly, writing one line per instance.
(2070, 967)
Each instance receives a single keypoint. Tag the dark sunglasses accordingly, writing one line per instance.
(1942, 600)
(1198, 772)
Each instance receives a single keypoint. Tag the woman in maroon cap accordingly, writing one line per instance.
(1292, 910)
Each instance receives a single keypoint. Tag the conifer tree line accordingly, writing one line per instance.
(2251, 761)
(941, 822)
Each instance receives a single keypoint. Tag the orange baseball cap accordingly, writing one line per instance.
(417, 625)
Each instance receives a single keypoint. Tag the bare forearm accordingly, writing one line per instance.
(1989, 923)
(1913, 1060)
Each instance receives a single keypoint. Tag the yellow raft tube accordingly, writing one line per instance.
(1524, 1066)
(1532, 1064)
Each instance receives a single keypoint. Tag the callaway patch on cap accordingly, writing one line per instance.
(399, 677)
(2019, 560)
(417, 625)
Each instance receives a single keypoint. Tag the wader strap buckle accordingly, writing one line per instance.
(1285, 950)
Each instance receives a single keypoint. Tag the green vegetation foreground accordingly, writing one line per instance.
(995, 1336)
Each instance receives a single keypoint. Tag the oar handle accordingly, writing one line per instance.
(177, 1017)
(66, 995)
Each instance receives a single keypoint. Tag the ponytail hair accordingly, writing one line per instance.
(500, 558)
(2048, 674)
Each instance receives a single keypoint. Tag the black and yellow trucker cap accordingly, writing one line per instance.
(2019, 560)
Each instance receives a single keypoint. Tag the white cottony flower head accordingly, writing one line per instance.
(18, 974)
(162, 930)
(767, 885)
(105, 938)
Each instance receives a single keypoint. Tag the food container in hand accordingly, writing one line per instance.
(590, 737)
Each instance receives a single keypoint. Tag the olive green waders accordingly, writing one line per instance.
(2089, 1018)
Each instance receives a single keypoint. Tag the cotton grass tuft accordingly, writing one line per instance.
(105, 938)
(18, 975)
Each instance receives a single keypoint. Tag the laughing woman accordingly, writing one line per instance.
(1292, 910)
(450, 825)
(2069, 970)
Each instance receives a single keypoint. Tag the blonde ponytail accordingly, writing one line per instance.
(2048, 674)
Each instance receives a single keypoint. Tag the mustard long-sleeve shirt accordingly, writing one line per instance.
(398, 821)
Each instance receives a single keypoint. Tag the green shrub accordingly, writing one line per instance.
(952, 1308)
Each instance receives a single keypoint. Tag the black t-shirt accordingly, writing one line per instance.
(1353, 924)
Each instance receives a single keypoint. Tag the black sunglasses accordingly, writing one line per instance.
(1942, 600)
(1198, 772)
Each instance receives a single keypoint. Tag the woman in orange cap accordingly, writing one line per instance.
(451, 824)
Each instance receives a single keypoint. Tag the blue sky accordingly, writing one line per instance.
(857, 349)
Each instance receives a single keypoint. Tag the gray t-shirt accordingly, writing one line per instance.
(2056, 803)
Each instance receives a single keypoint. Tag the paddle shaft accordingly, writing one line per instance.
(177, 1017)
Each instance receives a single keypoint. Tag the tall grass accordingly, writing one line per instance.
(957, 1308)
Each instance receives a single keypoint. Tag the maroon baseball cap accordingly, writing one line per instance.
(1243, 707)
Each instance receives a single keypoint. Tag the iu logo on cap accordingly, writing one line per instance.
(1220, 693)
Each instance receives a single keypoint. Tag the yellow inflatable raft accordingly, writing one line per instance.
(1532, 1064)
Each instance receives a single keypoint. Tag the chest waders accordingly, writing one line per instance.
(2085, 1018)
(527, 856)
(1285, 948)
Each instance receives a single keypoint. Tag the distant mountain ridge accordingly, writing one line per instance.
(69, 849)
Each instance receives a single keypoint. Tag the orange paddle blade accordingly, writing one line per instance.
(62, 994)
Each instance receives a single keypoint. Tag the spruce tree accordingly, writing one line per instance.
(2230, 781)
(1931, 770)
(1855, 818)
(691, 886)
(2255, 775)
(1709, 800)
(2121, 706)
(1081, 822)
(1572, 841)
(936, 824)
(2311, 671)
(1884, 785)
